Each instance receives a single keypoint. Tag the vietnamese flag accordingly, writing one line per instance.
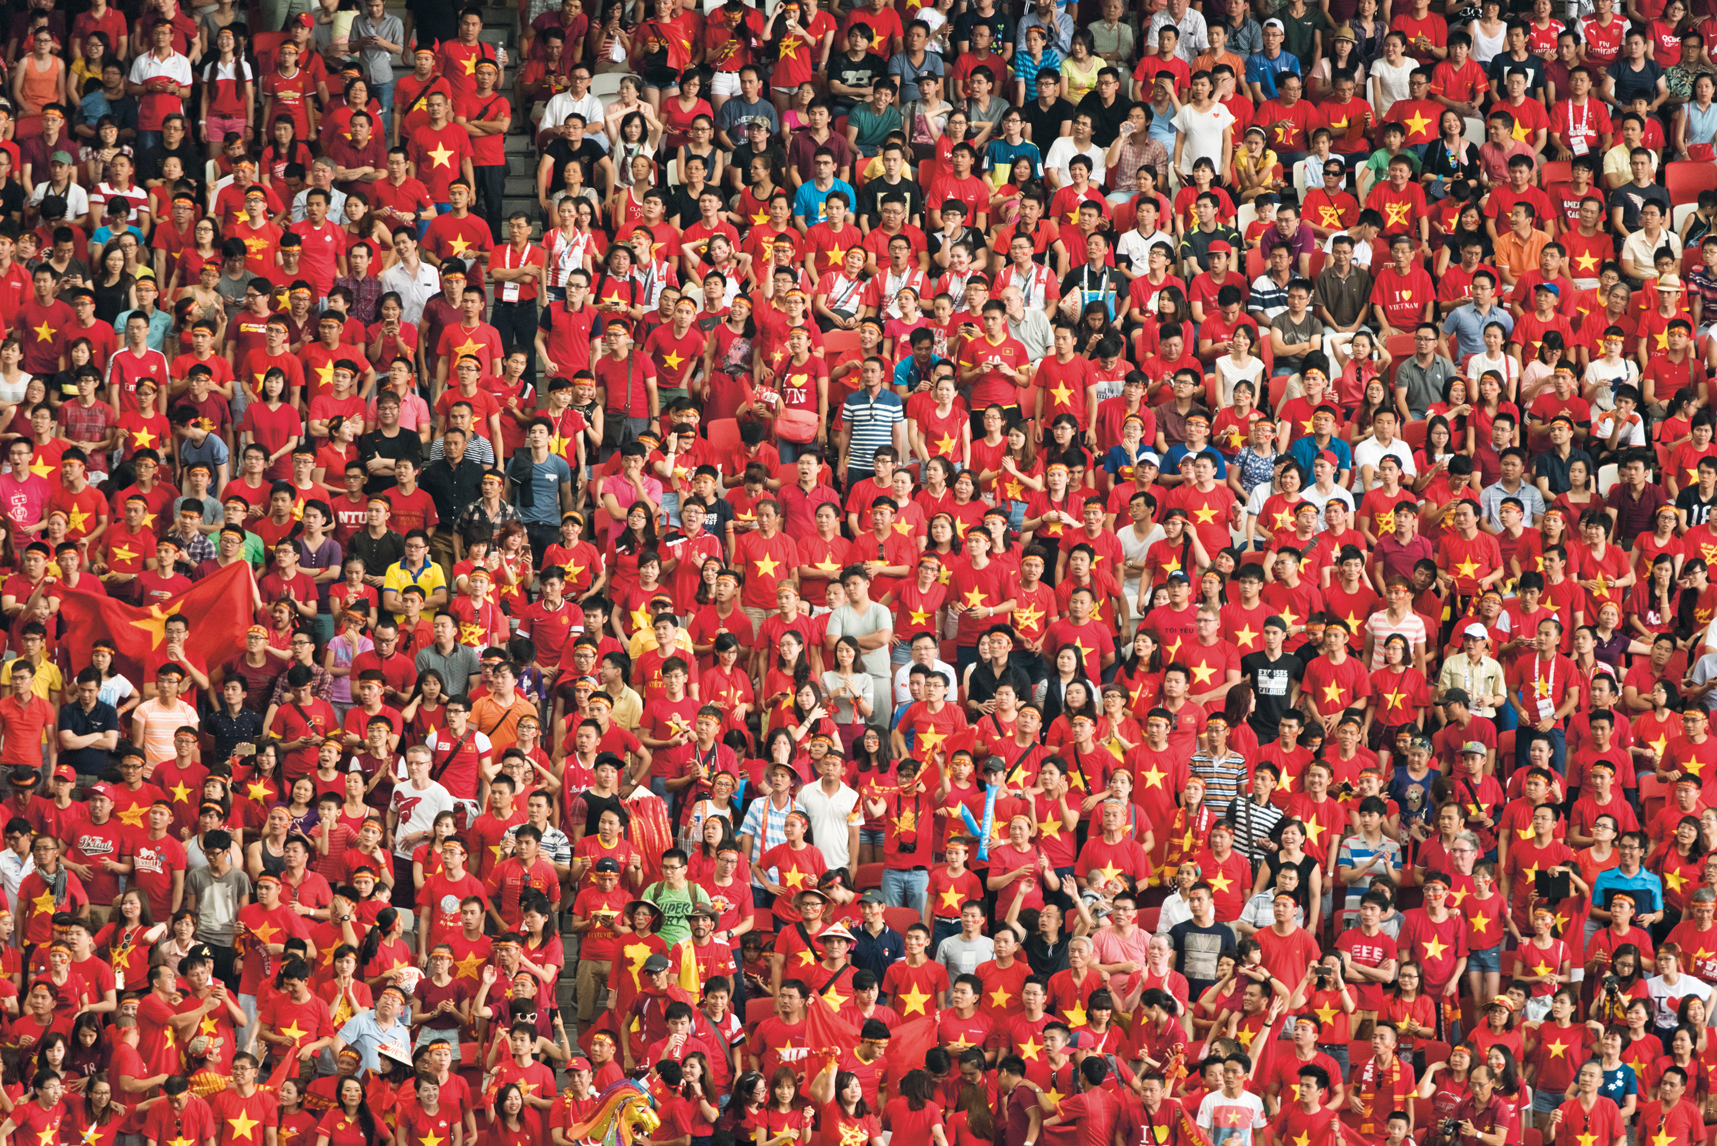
(825, 1028)
(219, 608)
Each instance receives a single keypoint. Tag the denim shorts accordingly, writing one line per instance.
(873, 836)
(1545, 1101)
(1490, 959)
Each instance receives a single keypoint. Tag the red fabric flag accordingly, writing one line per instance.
(219, 608)
(1186, 1129)
(907, 1045)
(825, 1028)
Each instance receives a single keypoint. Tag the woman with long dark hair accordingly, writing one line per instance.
(382, 950)
(349, 1122)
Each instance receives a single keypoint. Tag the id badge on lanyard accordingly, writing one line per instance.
(1577, 132)
(509, 291)
(1546, 707)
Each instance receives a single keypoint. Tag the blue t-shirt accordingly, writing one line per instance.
(212, 452)
(546, 477)
(808, 203)
(999, 154)
(1262, 70)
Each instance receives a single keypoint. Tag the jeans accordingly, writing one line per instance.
(516, 322)
(941, 929)
(905, 888)
(148, 139)
(384, 96)
(491, 185)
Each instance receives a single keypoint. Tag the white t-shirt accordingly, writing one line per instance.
(1231, 1121)
(1132, 549)
(1064, 149)
(829, 820)
(1391, 83)
(417, 809)
(1369, 453)
(1203, 132)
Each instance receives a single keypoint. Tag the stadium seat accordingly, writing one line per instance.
(1434, 1052)
(1414, 433)
(723, 434)
(1653, 796)
(1254, 263)
(1474, 133)
(869, 875)
(756, 1010)
(1534, 1136)
(1684, 181)
(839, 342)
(900, 918)
(1149, 917)
(1555, 171)
(1608, 476)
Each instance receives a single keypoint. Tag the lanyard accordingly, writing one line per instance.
(1544, 686)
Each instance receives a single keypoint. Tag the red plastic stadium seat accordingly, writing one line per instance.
(1684, 181)
(723, 434)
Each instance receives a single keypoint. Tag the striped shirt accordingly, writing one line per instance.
(1253, 824)
(1224, 779)
(872, 422)
(767, 827)
(1354, 853)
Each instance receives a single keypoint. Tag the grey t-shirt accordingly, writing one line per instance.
(961, 957)
(844, 622)
(218, 900)
(1308, 329)
(376, 61)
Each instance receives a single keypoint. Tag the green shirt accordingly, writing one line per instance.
(675, 906)
(872, 128)
(1298, 32)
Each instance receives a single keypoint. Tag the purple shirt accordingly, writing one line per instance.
(1302, 242)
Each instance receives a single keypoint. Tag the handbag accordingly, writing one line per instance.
(1701, 152)
(797, 425)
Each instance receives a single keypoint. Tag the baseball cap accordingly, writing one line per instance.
(61, 157)
(608, 864)
(1473, 748)
(1476, 629)
(1457, 696)
(872, 896)
(655, 964)
(102, 790)
(1221, 246)
(307, 20)
(66, 772)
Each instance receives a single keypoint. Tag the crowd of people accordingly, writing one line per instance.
(958, 573)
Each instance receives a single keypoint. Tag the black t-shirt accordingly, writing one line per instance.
(1500, 65)
(1105, 121)
(1689, 502)
(973, 238)
(376, 444)
(1630, 198)
(1197, 951)
(1045, 126)
(869, 68)
(774, 152)
(1272, 689)
(562, 153)
(190, 161)
(1001, 28)
(871, 195)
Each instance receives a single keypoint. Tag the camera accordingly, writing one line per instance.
(1612, 984)
(1449, 1128)
(1320, 975)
